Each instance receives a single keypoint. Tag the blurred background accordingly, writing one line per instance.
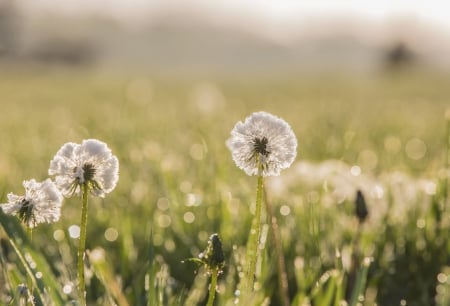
(226, 37)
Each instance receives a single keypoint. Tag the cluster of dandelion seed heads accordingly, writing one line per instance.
(41, 203)
(90, 162)
(263, 144)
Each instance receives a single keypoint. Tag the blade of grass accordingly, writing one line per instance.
(46, 283)
(360, 284)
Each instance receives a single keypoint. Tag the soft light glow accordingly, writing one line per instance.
(189, 217)
(74, 231)
(111, 234)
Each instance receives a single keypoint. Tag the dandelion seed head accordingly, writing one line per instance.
(262, 144)
(90, 162)
(41, 203)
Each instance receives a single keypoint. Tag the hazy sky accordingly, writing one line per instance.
(280, 20)
(282, 11)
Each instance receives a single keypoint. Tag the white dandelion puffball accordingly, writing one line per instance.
(263, 144)
(41, 203)
(90, 163)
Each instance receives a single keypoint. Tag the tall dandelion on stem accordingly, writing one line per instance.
(262, 145)
(41, 203)
(80, 169)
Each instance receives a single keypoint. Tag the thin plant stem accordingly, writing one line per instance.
(82, 245)
(30, 297)
(281, 265)
(253, 242)
(447, 164)
(212, 287)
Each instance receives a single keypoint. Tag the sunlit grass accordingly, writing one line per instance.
(178, 184)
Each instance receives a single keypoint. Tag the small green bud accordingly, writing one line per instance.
(361, 207)
(213, 256)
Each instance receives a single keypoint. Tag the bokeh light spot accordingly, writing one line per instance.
(285, 210)
(368, 159)
(164, 221)
(111, 234)
(185, 186)
(67, 289)
(420, 223)
(169, 245)
(74, 231)
(355, 170)
(442, 278)
(415, 148)
(189, 217)
(59, 235)
(162, 204)
(197, 151)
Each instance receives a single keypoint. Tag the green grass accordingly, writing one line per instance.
(178, 185)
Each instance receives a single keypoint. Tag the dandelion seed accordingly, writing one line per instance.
(41, 203)
(262, 144)
(90, 163)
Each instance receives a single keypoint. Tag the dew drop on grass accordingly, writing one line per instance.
(164, 221)
(355, 170)
(163, 204)
(420, 223)
(442, 278)
(415, 149)
(185, 186)
(169, 245)
(74, 231)
(39, 275)
(59, 235)
(285, 210)
(67, 289)
(189, 217)
(111, 234)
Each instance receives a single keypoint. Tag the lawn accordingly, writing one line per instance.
(383, 134)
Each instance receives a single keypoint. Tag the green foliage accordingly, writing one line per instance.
(178, 185)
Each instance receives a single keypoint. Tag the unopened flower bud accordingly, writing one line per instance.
(213, 256)
(361, 207)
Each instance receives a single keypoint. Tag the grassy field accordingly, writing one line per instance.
(385, 135)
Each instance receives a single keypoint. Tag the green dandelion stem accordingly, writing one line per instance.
(29, 280)
(253, 241)
(283, 286)
(445, 192)
(212, 288)
(82, 245)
